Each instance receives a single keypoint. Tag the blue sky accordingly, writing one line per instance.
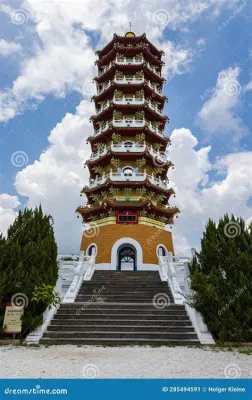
(47, 54)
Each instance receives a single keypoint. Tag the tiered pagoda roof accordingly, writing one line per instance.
(129, 165)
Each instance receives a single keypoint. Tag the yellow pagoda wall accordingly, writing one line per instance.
(148, 237)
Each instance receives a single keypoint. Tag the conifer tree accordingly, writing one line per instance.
(28, 258)
(221, 278)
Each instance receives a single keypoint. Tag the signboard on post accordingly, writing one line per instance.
(12, 319)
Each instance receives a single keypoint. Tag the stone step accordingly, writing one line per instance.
(119, 322)
(124, 313)
(120, 300)
(119, 311)
(119, 335)
(131, 285)
(121, 328)
(119, 342)
(115, 307)
(117, 316)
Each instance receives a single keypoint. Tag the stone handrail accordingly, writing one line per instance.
(83, 265)
(166, 264)
(90, 270)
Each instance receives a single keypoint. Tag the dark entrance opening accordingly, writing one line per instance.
(127, 258)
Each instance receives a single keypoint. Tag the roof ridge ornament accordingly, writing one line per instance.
(130, 33)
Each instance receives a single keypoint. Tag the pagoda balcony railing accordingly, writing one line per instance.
(105, 69)
(128, 100)
(108, 84)
(153, 69)
(129, 61)
(158, 181)
(98, 154)
(133, 176)
(129, 123)
(125, 81)
(157, 154)
(155, 108)
(128, 147)
(97, 181)
(155, 129)
(154, 87)
(101, 129)
(104, 107)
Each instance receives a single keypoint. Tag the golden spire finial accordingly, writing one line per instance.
(130, 33)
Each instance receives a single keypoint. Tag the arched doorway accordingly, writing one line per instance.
(127, 258)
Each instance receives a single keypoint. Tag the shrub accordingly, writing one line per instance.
(221, 276)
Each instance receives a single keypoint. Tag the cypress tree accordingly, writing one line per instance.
(221, 276)
(28, 258)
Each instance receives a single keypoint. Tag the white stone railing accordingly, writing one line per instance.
(108, 84)
(133, 177)
(153, 69)
(200, 327)
(129, 61)
(90, 270)
(168, 272)
(105, 69)
(83, 267)
(104, 107)
(155, 108)
(128, 100)
(98, 181)
(125, 80)
(157, 181)
(101, 129)
(154, 87)
(157, 154)
(155, 129)
(98, 154)
(79, 268)
(128, 147)
(129, 122)
(166, 264)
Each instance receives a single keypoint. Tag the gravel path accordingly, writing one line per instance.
(124, 362)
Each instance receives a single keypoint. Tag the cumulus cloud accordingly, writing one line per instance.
(55, 180)
(7, 214)
(219, 114)
(200, 198)
(64, 48)
(7, 48)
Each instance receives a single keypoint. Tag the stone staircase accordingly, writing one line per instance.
(122, 308)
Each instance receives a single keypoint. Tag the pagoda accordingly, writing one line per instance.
(127, 206)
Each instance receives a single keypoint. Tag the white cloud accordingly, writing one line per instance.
(199, 198)
(219, 113)
(201, 42)
(55, 180)
(7, 48)
(248, 87)
(7, 214)
(64, 53)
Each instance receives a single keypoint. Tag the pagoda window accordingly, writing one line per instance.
(162, 251)
(128, 171)
(92, 250)
(128, 144)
